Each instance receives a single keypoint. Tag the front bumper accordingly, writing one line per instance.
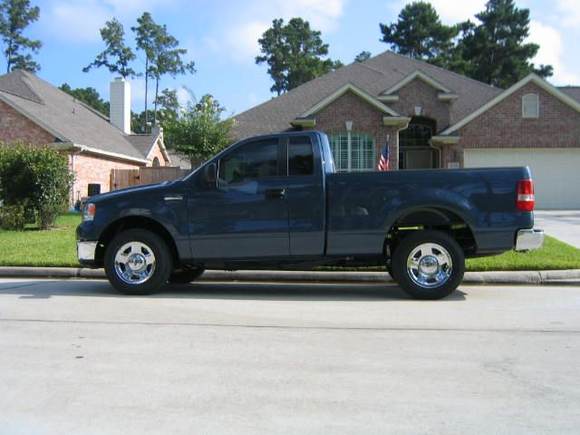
(528, 240)
(86, 251)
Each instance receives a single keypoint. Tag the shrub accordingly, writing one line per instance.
(36, 176)
(13, 217)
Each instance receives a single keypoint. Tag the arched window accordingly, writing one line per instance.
(353, 152)
(156, 162)
(531, 106)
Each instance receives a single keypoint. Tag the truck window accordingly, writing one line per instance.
(251, 161)
(300, 156)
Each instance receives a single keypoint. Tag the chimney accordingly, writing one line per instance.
(120, 112)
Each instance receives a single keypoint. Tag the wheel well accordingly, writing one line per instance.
(431, 219)
(132, 222)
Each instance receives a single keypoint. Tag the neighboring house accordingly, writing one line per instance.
(34, 111)
(434, 118)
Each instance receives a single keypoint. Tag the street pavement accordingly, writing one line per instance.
(266, 358)
(563, 225)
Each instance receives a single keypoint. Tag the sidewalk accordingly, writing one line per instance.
(516, 277)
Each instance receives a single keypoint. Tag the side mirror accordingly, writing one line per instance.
(210, 175)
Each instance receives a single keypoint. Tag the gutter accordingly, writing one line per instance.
(91, 150)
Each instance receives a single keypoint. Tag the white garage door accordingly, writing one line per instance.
(556, 172)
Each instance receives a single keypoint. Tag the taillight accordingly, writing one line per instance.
(525, 195)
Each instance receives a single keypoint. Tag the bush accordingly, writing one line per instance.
(38, 177)
(13, 217)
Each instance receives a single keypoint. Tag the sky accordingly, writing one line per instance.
(221, 37)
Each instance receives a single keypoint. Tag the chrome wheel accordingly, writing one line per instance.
(134, 263)
(429, 265)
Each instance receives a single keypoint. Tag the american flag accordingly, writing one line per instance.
(384, 160)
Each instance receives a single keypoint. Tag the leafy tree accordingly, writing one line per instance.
(147, 33)
(496, 47)
(199, 132)
(89, 96)
(168, 59)
(362, 56)
(116, 56)
(168, 112)
(15, 17)
(294, 54)
(419, 33)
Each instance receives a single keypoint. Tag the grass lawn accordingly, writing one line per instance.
(32, 247)
(57, 247)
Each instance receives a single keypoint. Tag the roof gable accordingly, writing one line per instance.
(417, 75)
(532, 78)
(349, 87)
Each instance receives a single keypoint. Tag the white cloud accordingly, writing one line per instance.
(570, 12)
(80, 20)
(77, 21)
(552, 52)
(453, 11)
(254, 17)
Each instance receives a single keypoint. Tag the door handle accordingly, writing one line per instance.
(275, 193)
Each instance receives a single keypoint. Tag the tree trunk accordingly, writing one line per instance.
(145, 127)
(155, 102)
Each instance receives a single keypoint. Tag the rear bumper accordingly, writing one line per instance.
(528, 240)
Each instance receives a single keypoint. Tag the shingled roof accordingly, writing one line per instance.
(374, 76)
(68, 119)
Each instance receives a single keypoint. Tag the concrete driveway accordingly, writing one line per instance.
(563, 225)
(231, 358)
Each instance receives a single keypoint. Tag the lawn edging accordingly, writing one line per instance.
(502, 277)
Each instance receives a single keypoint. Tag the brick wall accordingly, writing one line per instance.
(15, 127)
(502, 126)
(90, 169)
(156, 152)
(365, 119)
(419, 93)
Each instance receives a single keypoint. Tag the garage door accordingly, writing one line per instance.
(556, 172)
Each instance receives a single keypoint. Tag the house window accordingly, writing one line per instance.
(353, 152)
(531, 106)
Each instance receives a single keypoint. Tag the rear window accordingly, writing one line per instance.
(300, 156)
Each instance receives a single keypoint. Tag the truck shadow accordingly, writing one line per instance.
(44, 289)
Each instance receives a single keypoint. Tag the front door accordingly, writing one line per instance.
(246, 215)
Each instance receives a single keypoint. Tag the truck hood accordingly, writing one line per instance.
(145, 188)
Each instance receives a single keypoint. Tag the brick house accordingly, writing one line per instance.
(33, 111)
(435, 118)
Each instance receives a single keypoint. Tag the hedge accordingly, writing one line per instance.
(34, 180)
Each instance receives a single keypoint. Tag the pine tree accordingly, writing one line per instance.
(419, 33)
(495, 50)
(294, 54)
(15, 17)
(116, 56)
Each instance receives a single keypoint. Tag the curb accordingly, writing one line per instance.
(516, 277)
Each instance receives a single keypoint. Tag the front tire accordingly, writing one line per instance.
(138, 262)
(429, 264)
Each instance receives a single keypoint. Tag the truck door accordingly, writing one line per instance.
(246, 214)
(306, 196)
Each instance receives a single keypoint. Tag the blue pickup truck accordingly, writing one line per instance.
(277, 202)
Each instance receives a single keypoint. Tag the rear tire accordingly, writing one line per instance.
(138, 262)
(429, 264)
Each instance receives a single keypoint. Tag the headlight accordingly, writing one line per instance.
(89, 212)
